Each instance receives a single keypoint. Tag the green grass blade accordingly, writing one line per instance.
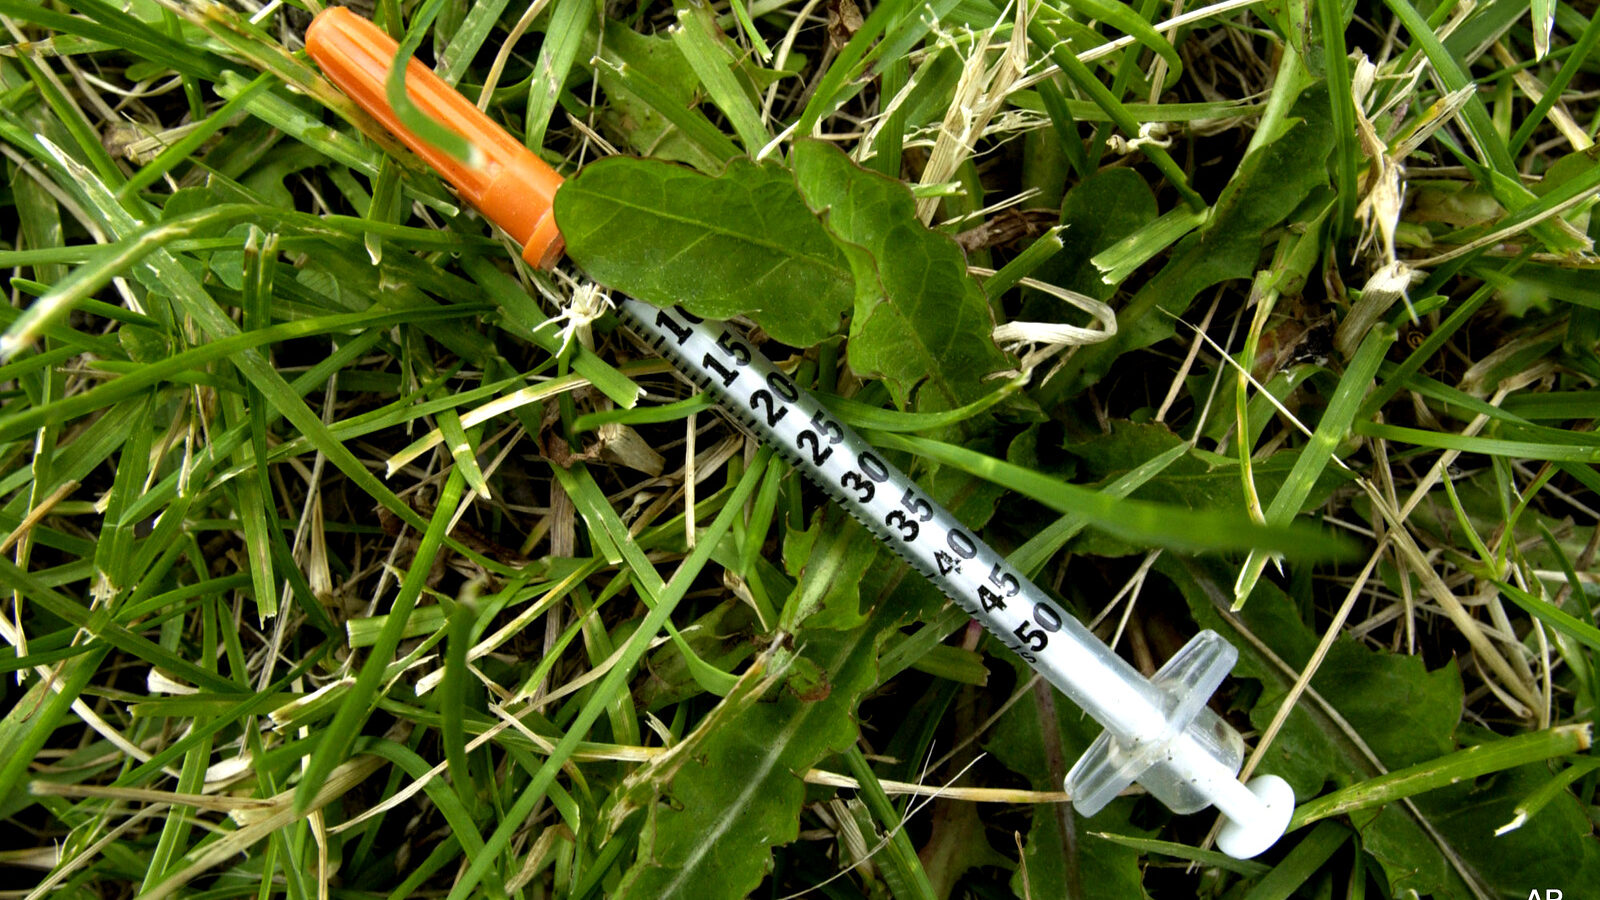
(463, 446)
(910, 879)
(1120, 260)
(1184, 852)
(1475, 115)
(1061, 54)
(691, 121)
(1302, 862)
(851, 62)
(453, 694)
(1589, 454)
(632, 651)
(68, 113)
(183, 148)
(98, 626)
(35, 722)
(1064, 121)
(861, 415)
(1462, 765)
(1023, 264)
(605, 525)
(1581, 50)
(1347, 154)
(570, 21)
(711, 63)
(1156, 523)
(1128, 21)
(334, 743)
(1032, 555)
(522, 316)
(423, 125)
(1553, 616)
(1330, 432)
(1548, 792)
(468, 39)
(675, 411)
(118, 29)
(153, 374)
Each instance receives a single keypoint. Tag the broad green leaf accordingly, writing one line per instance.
(1269, 185)
(1365, 688)
(712, 833)
(921, 324)
(828, 560)
(740, 243)
(1098, 213)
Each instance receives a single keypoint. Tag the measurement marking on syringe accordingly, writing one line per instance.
(771, 404)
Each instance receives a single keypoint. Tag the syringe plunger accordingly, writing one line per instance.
(1191, 761)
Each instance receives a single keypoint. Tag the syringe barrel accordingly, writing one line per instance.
(891, 505)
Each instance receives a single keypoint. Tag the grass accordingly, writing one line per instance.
(340, 559)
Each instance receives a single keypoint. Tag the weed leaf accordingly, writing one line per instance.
(1364, 689)
(921, 321)
(739, 243)
(1270, 184)
(711, 834)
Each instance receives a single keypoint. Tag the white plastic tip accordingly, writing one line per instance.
(1245, 839)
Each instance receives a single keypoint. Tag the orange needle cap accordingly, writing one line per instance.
(511, 184)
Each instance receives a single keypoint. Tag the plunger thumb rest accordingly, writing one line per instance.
(511, 184)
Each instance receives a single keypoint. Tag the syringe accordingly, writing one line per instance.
(1158, 732)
